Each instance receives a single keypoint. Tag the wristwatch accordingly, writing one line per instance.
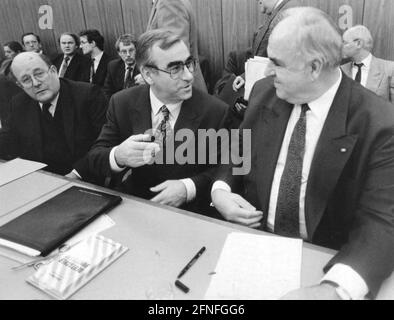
(341, 292)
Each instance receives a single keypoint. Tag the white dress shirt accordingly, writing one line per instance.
(157, 117)
(343, 275)
(63, 65)
(97, 60)
(364, 70)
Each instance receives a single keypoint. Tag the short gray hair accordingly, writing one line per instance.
(164, 38)
(315, 35)
(362, 33)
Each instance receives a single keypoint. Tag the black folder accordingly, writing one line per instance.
(50, 224)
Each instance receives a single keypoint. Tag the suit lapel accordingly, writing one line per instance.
(275, 116)
(120, 74)
(152, 16)
(66, 104)
(140, 113)
(375, 75)
(347, 69)
(333, 150)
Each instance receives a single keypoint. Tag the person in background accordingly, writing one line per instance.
(322, 159)
(122, 73)
(177, 16)
(70, 63)
(92, 45)
(11, 49)
(55, 120)
(373, 73)
(32, 42)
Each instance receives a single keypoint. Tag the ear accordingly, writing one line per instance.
(316, 68)
(146, 73)
(53, 68)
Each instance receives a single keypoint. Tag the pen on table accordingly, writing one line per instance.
(191, 262)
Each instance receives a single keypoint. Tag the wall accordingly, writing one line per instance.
(225, 25)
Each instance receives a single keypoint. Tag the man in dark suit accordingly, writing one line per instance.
(71, 64)
(169, 104)
(55, 121)
(322, 159)
(92, 45)
(121, 72)
(8, 89)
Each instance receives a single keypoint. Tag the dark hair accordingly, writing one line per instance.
(93, 35)
(127, 39)
(32, 34)
(147, 40)
(14, 46)
(73, 35)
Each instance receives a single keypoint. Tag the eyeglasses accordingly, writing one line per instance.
(39, 75)
(125, 52)
(177, 70)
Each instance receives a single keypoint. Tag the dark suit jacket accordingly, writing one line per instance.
(77, 70)
(101, 72)
(129, 113)
(8, 89)
(114, 81)
(83, 109)
(349, 201)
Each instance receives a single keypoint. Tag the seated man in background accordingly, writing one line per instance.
(92, 45)
(373, 73)
(54, 121)
(70, 63)
(31, 42)
(169, 103)
(322, 159)
(122, 72)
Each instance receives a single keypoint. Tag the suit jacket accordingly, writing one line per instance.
(349, 202)
(101, 72)
(177, 16)
(8, 89)
(114, 80)
(261, 36)
(77, 70)
(129, 113)
(83, 109)
(380, 77)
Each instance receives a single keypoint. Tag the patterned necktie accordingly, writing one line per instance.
(128, 80)
(64, 66)
(164, 128)
(288, 205)
(45, 111)
(358, 74)
(91, 70)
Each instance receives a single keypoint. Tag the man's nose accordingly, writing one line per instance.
(187, 75)
(270, 70)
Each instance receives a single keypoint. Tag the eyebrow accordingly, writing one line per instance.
(175, 63)
(275, 61)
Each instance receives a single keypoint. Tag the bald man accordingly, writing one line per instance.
(54, 121)
(373, 73)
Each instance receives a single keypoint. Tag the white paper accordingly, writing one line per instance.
(254, 71)
(256, 267)
(17, 168)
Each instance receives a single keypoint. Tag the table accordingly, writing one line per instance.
(161, 240)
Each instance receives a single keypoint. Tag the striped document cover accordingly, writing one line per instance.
(71, 270)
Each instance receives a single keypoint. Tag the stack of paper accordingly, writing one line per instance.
(256, 267)
(254, 70)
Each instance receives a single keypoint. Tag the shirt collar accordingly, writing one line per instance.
(98, 57)
(366, 62)
(320, 106)
(156, 104)
(53, 102)
(126, 66)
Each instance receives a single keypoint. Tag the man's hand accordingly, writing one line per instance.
(136, 151)
(72, 175)
(235, 208)
(172, 193)
(139, 79)
(322, 291)
(238, 83)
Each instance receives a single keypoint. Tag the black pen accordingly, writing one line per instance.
(192, 261)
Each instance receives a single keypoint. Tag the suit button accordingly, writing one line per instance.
(343, 150)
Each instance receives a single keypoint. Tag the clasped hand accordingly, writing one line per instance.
(170, 192)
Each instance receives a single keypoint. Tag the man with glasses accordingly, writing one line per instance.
(32, 42)
(70, 63)
(373, 73)
(54, 121)
(122, 73)
(166, 105)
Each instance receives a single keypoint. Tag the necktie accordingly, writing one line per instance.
(91, 70)
(358, 74)
(45, 111)
(64, 66)
(164, 128)
(128, 80)
(288, 205)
